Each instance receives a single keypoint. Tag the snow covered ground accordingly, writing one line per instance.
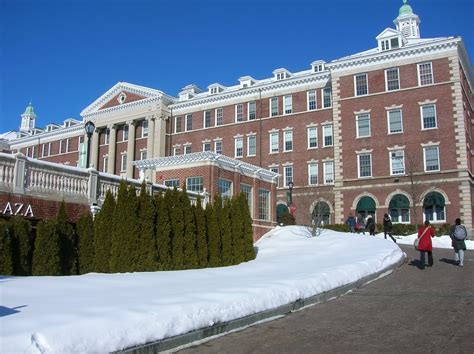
(103, 312)
(438, 242)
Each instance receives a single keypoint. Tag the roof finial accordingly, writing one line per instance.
(405, 2)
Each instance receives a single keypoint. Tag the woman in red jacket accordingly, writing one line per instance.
(425, 233)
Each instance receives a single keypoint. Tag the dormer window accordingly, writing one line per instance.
(281, 74)
(213, 90)
(318, 66)
(246, 81)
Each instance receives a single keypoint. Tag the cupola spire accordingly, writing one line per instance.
(408, 22)
(28, 119)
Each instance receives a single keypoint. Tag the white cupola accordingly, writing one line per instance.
(407, 22)
(28, 119)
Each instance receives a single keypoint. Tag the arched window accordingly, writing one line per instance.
(399, 209)
(321, 214)
(281, 209)
(433, 207)
(365, 206)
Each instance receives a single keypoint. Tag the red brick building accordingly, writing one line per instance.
(386, 130)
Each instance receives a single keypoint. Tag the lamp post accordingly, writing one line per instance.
(89, 128)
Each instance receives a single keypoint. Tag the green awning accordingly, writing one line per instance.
(434, 199)
(281, 209)
(399, 201)
(365, 204)
(321, 208)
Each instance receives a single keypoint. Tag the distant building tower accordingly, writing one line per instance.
(407, 22)
(28, 119)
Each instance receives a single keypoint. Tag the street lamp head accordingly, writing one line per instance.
(89, 128)
(290, 185)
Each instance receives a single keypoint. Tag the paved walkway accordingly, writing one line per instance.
(410, 311)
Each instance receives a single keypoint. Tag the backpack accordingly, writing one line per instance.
(459, 232)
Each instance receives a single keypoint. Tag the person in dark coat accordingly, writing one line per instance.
(370, 224)
(425, 233)
(387, 227)
(351, 222)
(360, 225)
(458, 234)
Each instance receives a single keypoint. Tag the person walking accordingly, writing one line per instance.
(458, 234)
(360, 225)
(351, 222)
(387, 227)
(425, 233)
(370, 224)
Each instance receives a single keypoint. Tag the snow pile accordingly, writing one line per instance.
(438, 242)
(106, 312)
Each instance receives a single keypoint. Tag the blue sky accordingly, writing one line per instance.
(64, 54)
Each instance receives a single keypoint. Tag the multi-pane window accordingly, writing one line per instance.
(178, 124)
(287, 104)
(171, 183)
(189, 122)
(251, 145)
(397, 162)
(195, 184)
(312, 174)
(68, 144)
(425, 74)
(312, 137)
(176, 151)
(123, 163)
(107, 136)
(143, 155)
(224, 188)
(327, 97)
(288, 175)
(311, 100)
(363, 125)
(144, 128)
(395, 125)
(288, 140)
(361, 85)
(206, 146)
(188, 149)
(252, 108)
(247, 191)
(328, 170)
(239, 147)
(219, 115)
(263, 204)
(218, 147)
(431, 157)
(62, 146)
(392, 79)
(274, 142)
(365, 165)
(46, 150)
(105, 163)
(327, 135)
(276, 170)
(239, 112)
(428, 116)
(207, 119)
(274, 106)
(125, 132)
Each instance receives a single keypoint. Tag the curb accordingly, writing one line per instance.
(220, 328)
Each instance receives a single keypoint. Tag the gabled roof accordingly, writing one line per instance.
(388, 32)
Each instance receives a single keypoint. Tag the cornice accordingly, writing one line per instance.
(56, 134)
(277, 85)
(123, 107)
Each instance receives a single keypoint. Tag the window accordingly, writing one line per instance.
(218, 147)
(125, 132)
(176, 150)
(171, 183)
(247, 190)
(224, 188)
(105, 163)
(144, 128)
(195, 184)
(395, 121)
(288, 176)
(62, 146)
(313, 174)
(274, 106)
(239, 112)
(392, 80)
(239, 147)
(385, 44)
(428, 116)
(312, 137)
(178, 124)
(274, 142)
(207, 119)
(328, 168)
(188, 149)
(327, 135)
(107, 136)
(397, 162)
(276, 170)
(219, 116)
(143, 155)
(364, 162)
(287, 104)
(433, 207)
(327, 101)
(311, 95)
(252, 107)
(46, 150)
(189, 122)
(363, 125)
(206, 146)
(123, 163)
(431, 158)
(391, 43)
(251, 145)
(288, 140)
(425, 74)
(361, 85)
(263, 204)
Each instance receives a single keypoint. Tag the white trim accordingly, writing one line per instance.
(285, 134)
(386, 79)
(418, 73)
(308, 129)
(309, 173)
(391, 165)
(358, 164)
(388, 121)
(308, 100)
(326, 163)
(252, 136)
(277, 142)
(236, 140)
(290, 106)
(422, 118)
(358, 127)
(438, 157)
(366, 82)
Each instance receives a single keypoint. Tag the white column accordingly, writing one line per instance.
(130, 148)
(95, 149)
(112, 143)
(150, 147)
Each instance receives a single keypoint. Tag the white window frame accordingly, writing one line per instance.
(107, 136)
(143, 154)
(123, 162)
(423, 118)
(251, 111)
(62, 146)
(204, 144)
(176, 150)
(249, 145)
(287, 104)
(386, 79)
(144, 128)
(206, 123)
(286, 135)
(272, 113)
(325, 128)
(359, 165)
(419, 73)
(229, 186)
(249, 195)
(176, 120)
(388, 121)
(264, 209)
(424, 158)
(326, 169)
(356, 94)
(391, 160)
(272, 135)
(105, 162)
(125, 132)
(239, 112)
(308, 135)
(358, 119)
(288, 177)
(219, 116)
(200, 183)
(323, 97)
(311, 100)
(314, 166)
(238, 147)
(186, 148)
(276, 170)
(218, 147)
(188, 122)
